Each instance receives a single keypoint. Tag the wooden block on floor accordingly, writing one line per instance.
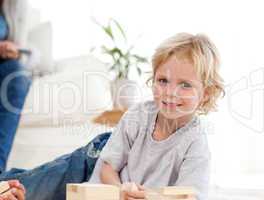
(177, 190)
(4, 186)
(170, 193)
(86, 191)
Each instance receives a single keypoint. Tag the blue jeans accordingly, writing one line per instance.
(48, 182)
(14, 86)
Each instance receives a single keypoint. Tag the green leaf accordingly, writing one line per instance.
(116, 50)
(140, 58)
(120, 28)
(120, 75)
(105, 49)
(139, 71)
(112, 52)
(108, 31)
(112, 67)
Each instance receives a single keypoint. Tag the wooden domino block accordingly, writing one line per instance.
(86, 191)
(170, 193)
(177, 190)
(4, 186)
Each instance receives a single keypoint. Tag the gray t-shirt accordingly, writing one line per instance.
(182, 159)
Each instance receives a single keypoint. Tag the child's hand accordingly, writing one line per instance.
(131, 191)
(8, 50)
(191, 197)
(16, 192)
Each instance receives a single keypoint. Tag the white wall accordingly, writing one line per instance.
(235, 26)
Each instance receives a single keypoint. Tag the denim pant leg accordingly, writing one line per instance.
(48, 182)
(14, 88)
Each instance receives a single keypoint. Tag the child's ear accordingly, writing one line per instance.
(206, 95)
(204, 99)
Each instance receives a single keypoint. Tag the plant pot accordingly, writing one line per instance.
(125, 93)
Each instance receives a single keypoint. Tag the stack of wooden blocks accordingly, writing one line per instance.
(87, 191)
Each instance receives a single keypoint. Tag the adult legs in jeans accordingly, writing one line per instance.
(48, 182)
(14, 86)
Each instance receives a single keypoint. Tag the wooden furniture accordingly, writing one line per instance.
(109, 118)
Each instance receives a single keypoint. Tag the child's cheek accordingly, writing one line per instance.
(157, 92)
(189, 98)
(191, 101)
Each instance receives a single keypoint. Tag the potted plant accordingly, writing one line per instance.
(123, 59)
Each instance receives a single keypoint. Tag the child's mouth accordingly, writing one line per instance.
(170, 104)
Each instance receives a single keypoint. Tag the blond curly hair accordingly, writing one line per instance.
(202, 52)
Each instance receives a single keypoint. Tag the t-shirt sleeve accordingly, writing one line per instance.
(117, 148)
(195, 169)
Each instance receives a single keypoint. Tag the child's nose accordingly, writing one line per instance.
(172, 91)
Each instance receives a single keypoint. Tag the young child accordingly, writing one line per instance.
(162, 142)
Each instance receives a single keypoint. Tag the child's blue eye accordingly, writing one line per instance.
(185, 85)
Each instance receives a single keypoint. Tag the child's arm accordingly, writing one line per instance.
(129, 190)
(115, 153)
(109, 176)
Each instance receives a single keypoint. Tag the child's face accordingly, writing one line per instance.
(177, 89)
